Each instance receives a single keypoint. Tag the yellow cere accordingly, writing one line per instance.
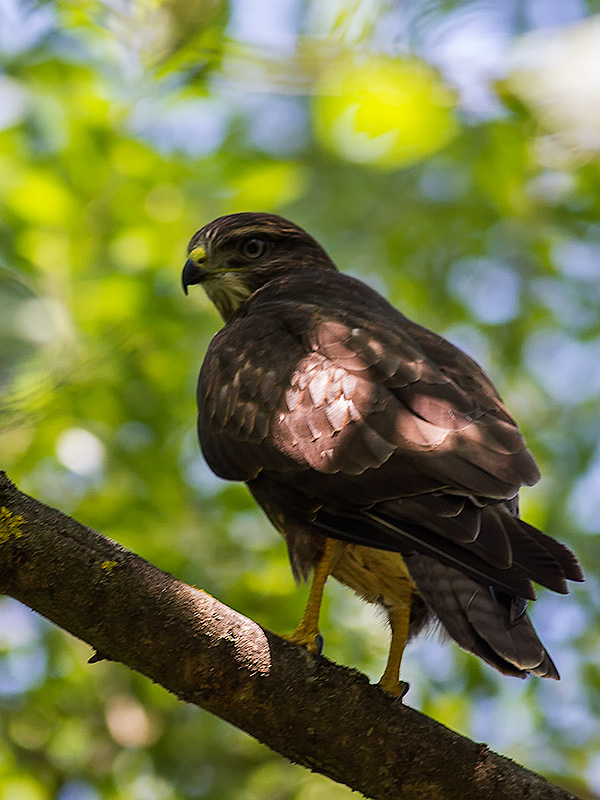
(10, 525)
(198, 255)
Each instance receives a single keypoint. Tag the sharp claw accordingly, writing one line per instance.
(310, 642)
(397, 689)
(98, 656)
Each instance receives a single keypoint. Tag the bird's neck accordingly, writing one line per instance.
(227, 293)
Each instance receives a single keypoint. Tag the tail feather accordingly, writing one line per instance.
(559, 551)
(481, 620)
(531, 552)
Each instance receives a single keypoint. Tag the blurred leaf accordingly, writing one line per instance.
(383, 111)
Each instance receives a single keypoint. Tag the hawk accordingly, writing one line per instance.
(381, 452)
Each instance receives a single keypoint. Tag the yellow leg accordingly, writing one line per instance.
(390, 680)
(307, 633)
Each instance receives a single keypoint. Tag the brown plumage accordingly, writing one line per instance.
(350, 422)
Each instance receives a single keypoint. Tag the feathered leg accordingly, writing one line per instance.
(399, 621)
(307, 633)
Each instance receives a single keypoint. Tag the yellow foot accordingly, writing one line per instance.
(310, 639)
(394, 687)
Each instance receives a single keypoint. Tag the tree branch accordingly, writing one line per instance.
(326, 717)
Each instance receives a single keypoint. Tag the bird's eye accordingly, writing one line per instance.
(253, 248)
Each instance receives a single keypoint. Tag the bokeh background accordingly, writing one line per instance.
(445, 152)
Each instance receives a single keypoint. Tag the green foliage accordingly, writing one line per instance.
(125, 128)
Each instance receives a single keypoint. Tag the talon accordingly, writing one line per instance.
(311, 641)
(98, 656)
(396, 689)
(319, 641)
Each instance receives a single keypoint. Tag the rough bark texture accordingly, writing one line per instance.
(326, 717)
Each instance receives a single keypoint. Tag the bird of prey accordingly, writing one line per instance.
(380, 451)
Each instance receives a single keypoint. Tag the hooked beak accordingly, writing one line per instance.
(192, 272)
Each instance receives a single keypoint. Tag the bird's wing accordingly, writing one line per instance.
(367, 429)
(388, 395)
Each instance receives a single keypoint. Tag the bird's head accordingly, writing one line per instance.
(235, 255)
